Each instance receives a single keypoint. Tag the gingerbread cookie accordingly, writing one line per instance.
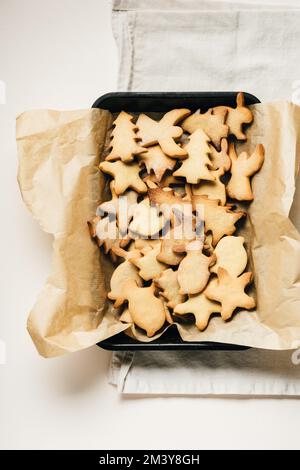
(147, 263)
(167, 253)
(146, 310)
(193, 271)
(219, 220)
(229, 291)
(163, 132)
(201, 307)
(195, 167)
(121, 206)
(125, 176)
(168, 282)
(124, 139)
(106, 232)
(231, 255)
(243, 167)
(155, 160)
(167, 202)
(121, 274)
(212, 189)
(146, 221)
(212, 124)
(236, 117)
(220, 160)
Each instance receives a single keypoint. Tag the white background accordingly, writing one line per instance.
(61, 54)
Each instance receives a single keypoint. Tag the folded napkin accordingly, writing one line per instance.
(191, 45)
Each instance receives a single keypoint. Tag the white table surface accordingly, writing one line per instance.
(61, 54)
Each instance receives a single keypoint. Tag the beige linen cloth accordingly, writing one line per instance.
(194, 45)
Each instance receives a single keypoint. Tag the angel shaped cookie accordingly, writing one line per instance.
(243, 166)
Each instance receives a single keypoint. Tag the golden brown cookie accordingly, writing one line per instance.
(147, 263)
(122, 207)
(168, 282)
(231, 255)
(212, 189)
(219, 220)
(243, 167)
(212, 124)
(146, 310)
(195, 167)
(201, 307)
(106, 233)
(146, 220)
(157, 161)
(163, 132)
(167, 253)
(229, 291)
(125, 176)
(122, 274)
(124, 144)
(167, 201)
(236, 117)
(220, 159)
(193, 271)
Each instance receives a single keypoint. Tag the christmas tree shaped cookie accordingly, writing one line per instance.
(123, 145)
(195, 167)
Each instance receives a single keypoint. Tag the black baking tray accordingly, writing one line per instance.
(137, 102)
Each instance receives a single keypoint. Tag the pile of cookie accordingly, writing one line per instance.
(169, 224)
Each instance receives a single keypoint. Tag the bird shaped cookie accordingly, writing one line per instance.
(163, 132)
